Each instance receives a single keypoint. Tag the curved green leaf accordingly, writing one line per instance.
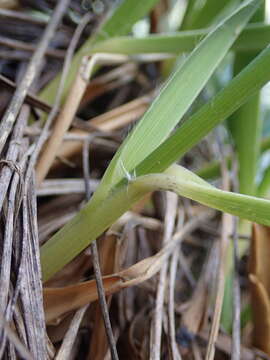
(236, 93)
(88, 225)
(175, 97)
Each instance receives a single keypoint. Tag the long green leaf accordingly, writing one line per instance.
(245, 126)
(263, 188)
(236, 93)
(175, 98)
(188, 14)
(254, 37)
(203, 13)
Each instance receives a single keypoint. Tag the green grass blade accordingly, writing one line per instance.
(175, 43)
(263, 188)
(245, 126)
(211, 171)
(254, 37)
(175, 98)
(188, 14)
(235, 94)
(118, 22)
(227, 9)
(201, 16)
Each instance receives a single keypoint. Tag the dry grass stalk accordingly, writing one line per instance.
(170, 216)
(15, 340)
(64, 119)
(30, 99)
(220, 280)
(171, 303)
(30, 323)
(110, 121)
(96, 263)
(112, 80)
(69, 339)
(64, 186)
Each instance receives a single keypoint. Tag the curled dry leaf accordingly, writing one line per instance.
(260, 285)
(59, 301)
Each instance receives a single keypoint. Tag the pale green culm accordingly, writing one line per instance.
(157, 149)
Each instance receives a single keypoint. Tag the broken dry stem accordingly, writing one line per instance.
(66, 115)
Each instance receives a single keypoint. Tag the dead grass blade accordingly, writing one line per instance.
(170, 216)
(14, 339)
(64, 186)
(171, 302)
(220, 280)
(67, 344)
(30, 99)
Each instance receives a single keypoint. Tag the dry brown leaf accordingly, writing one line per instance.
(259, 276)
(59, 301)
